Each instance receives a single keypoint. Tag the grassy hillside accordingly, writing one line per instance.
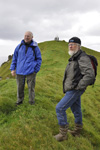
(28, 127)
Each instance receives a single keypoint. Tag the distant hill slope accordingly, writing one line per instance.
(28, 127)
(49, 50)
(2, 60)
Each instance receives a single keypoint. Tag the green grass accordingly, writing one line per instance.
(28, 127)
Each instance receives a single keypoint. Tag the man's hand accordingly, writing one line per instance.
(13, 72)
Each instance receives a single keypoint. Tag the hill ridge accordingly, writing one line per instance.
(28, 127)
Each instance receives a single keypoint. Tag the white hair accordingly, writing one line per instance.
(79, 45)
(29, 33)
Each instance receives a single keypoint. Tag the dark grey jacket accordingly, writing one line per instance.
(79, 72)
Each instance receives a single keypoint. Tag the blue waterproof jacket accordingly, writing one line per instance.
(26, 60)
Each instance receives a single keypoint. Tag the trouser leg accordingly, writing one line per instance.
(31, 79)
(20, 88)
(76, 109)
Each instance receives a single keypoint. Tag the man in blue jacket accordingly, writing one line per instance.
(26, 63)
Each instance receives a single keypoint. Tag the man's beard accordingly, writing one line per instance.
(71, 53)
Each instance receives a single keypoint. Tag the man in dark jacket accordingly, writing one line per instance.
(78, 75)
(26, 63)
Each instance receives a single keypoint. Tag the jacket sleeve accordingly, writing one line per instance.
(87, 72)
(38, 59)
(14, 59)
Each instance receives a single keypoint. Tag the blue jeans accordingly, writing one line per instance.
(71, 99)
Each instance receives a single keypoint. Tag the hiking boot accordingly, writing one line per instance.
(62, 133)
(77, 130)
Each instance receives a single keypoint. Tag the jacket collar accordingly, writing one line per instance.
(33, 43)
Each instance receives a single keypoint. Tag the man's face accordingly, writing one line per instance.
(28, 37)
(73, 48)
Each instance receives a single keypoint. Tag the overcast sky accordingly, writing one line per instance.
(48, 19)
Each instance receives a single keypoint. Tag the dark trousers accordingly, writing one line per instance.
(31, 79)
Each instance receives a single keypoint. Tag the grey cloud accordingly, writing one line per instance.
(51, 6)
(41, 17)
(94, 31)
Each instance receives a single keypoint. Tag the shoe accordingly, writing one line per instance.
(62, 133)
(77, 130)
(19, 103)
(32, 103)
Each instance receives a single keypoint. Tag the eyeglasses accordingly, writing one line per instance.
(71, 44)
